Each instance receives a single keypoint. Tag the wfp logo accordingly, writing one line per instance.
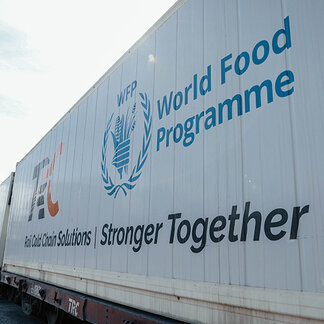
(123, 129)
(128, 134)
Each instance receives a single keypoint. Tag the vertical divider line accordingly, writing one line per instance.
(292, 132)
(242, 143)
(86, 103)
(203, 133)
(95, 239)
(106, 115)
(151, 150)
(132, 151)
(91, 166)
(174, 122)
(113, 200)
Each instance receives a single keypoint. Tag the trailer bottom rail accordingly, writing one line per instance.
(33, 293)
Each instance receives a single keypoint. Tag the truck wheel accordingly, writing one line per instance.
(54, 316)
(26, 305)
(11, 293)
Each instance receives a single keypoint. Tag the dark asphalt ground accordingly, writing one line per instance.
(11, 313)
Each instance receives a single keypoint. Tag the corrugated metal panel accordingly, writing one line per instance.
(5, 201)
(259, 168)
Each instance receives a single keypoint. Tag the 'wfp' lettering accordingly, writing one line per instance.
(129, 90)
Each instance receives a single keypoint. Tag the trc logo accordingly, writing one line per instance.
(73, 307)
(40, 186)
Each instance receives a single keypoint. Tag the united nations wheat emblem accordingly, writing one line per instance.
(120, 130)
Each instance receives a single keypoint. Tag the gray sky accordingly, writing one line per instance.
(51, 53)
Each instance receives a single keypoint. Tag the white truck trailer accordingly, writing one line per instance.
(188, 182)
(5, 201)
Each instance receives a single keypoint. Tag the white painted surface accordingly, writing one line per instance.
(5, 200)
(270, 157)
(188, 300)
